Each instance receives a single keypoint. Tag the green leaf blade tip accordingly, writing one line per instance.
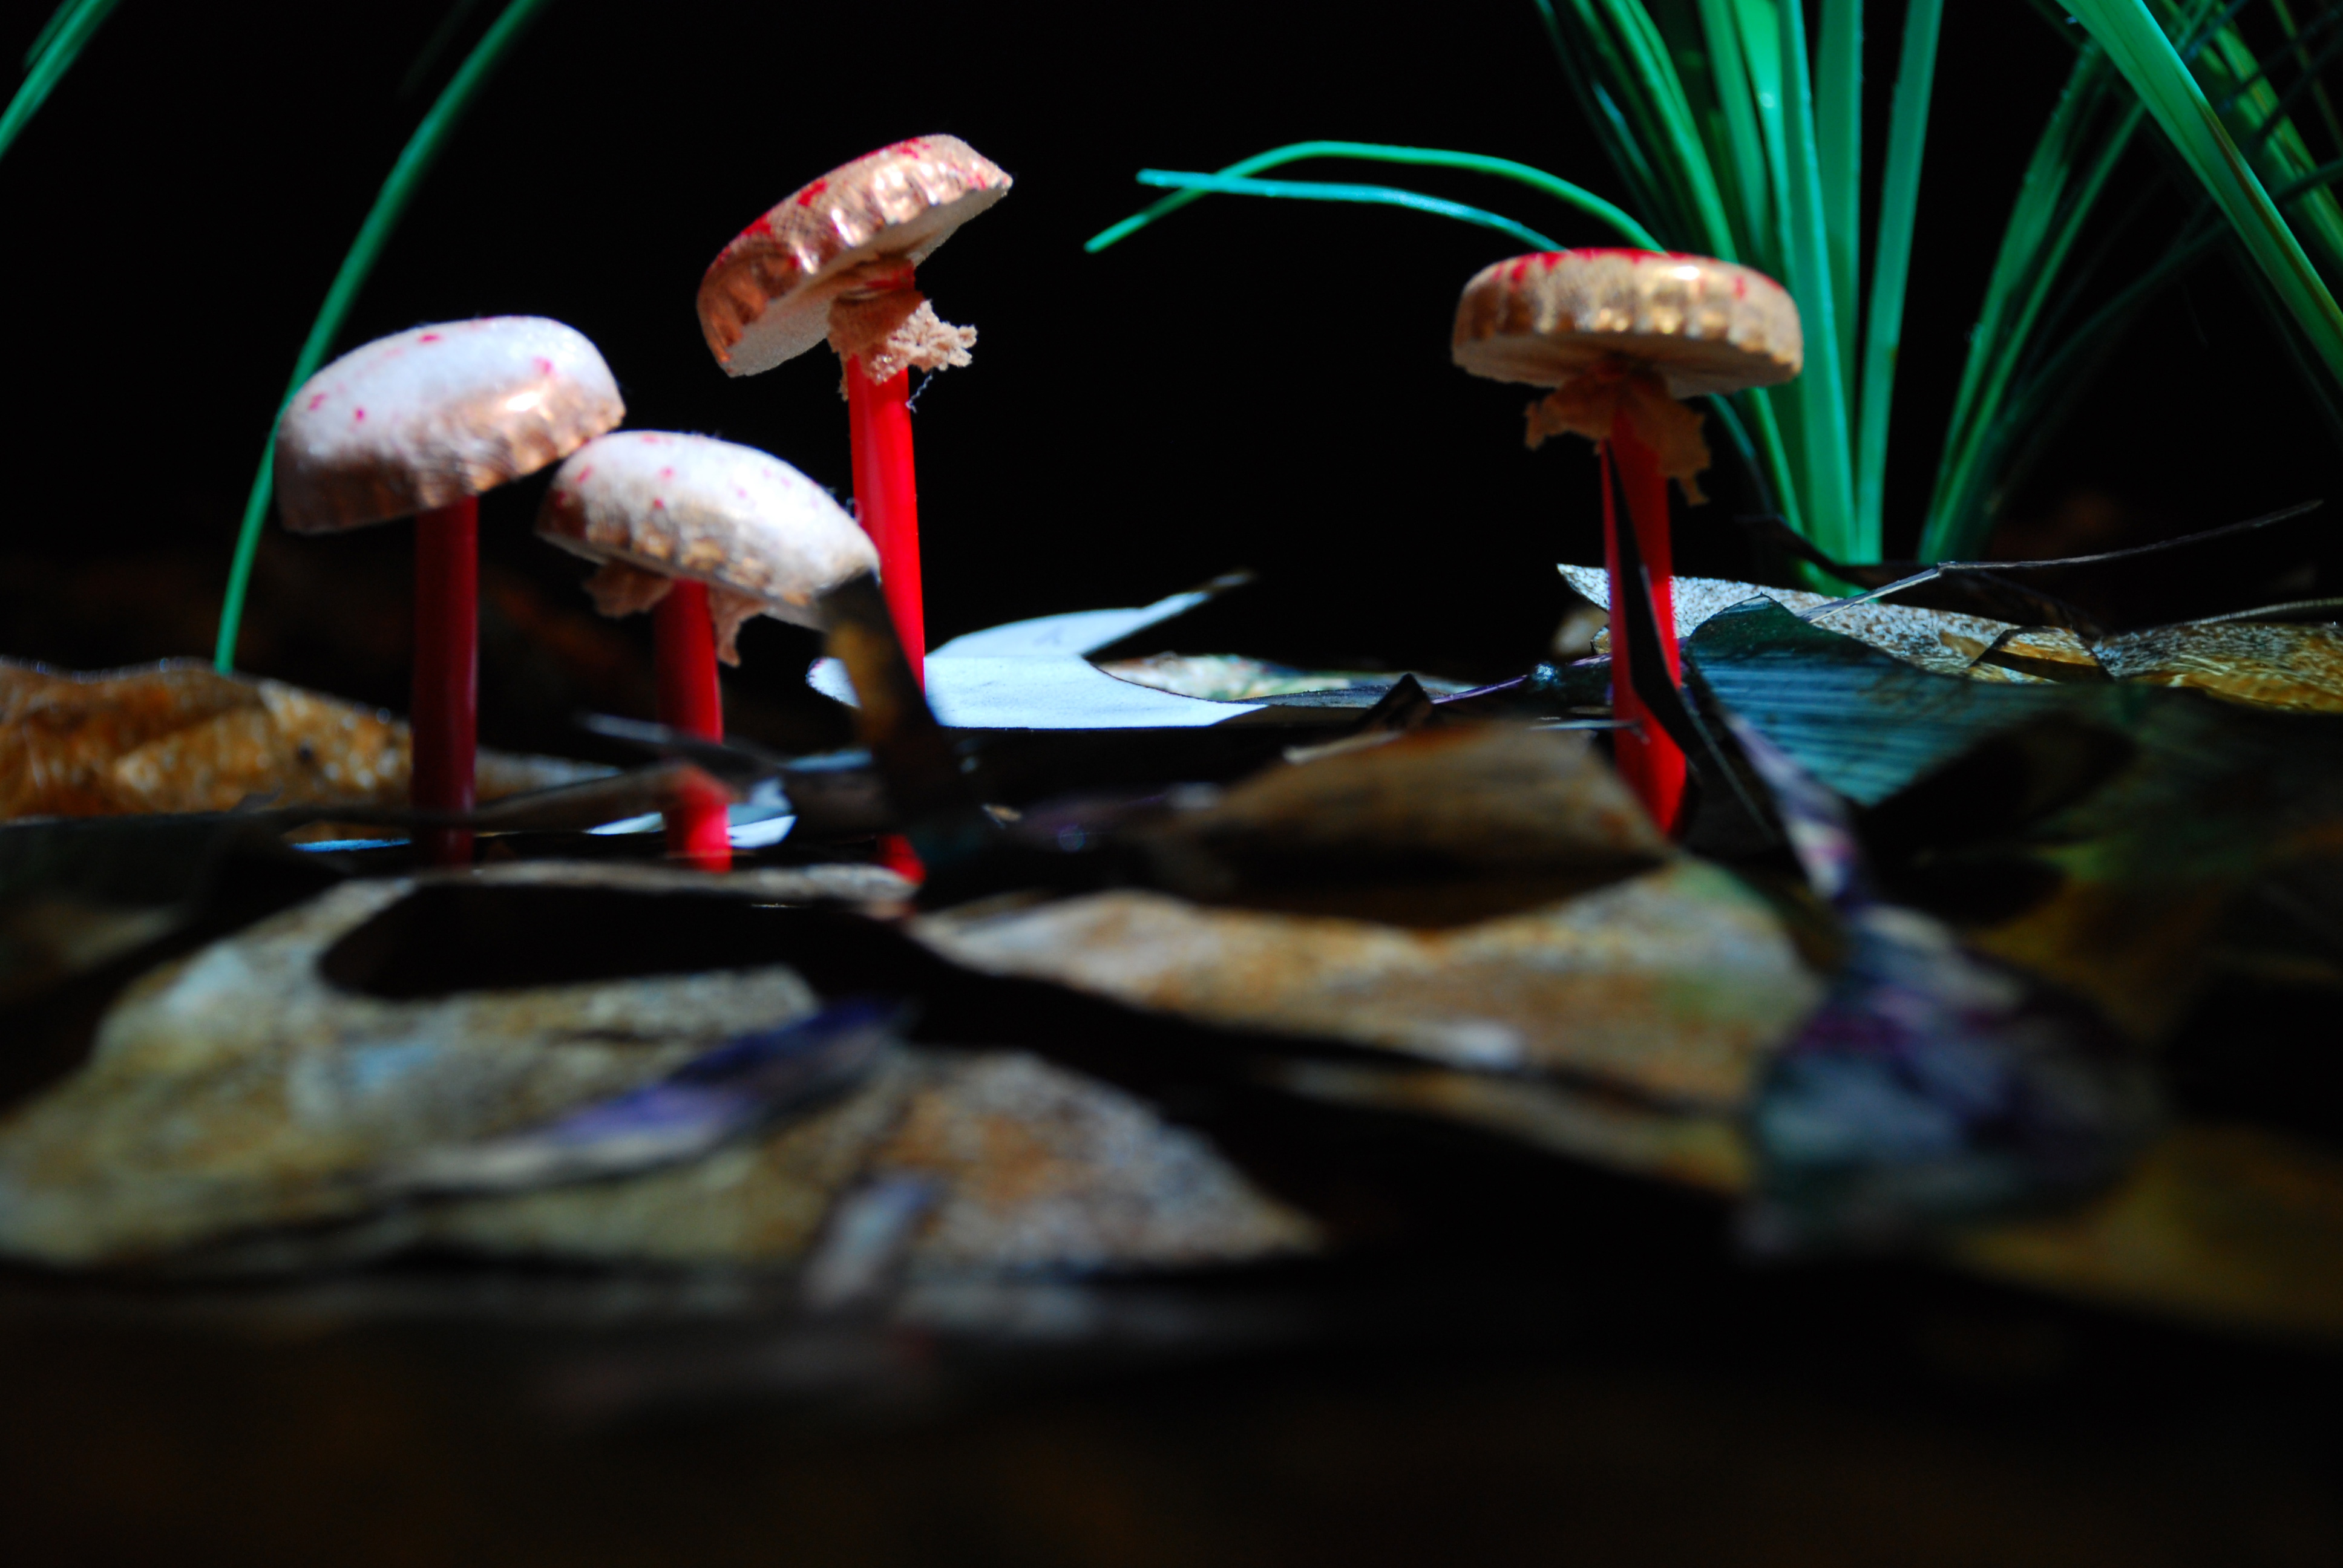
(415, 161)
(1575, 196)
(67, 32)
(1316, 190)
(1890, 265)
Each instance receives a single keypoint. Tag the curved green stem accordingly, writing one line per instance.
(68, 30)
(390, 205)
(1562, 190)
(1899, 205)
(1319, 190)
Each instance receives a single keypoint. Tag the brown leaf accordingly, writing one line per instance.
(1435, 827)
(1676, 984)
(180, 737)
(2296, 667)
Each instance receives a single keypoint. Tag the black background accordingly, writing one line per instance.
(1256, 384)
(1252, 383)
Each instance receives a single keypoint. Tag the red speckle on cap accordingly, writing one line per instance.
(658, 505)
(762, 226)
(666, 473)
(429, 337)
(1520, 268)
(805, 196)
(317, 402)
(356, 415)
(1740, 288)
(544, 365)
(582, 473)
(914, 147)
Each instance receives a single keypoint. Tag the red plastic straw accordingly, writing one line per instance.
(1651, 763)
(887, 499)
(887, 503)
(698, 827)
(446, 709)
(895, 852)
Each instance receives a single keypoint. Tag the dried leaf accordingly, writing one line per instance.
(707, 1103)
(2298, 668)
(1706, 1152)
(1041, 1168)
(241, 1086)
(2231, 1225)
(2292, 667)
(2091, 834)
(1942, 642)
(1020, 1165)
(1414, 829)
(364, 1049)
(1673, 984)
(1233, 677)
(1864, 725)
(1933, 1083)
(179, 737)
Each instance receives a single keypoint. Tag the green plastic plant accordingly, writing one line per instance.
(1732, 137)
(1736, 136)
(390, 204)
(55, 49)
(2047, 312)
(60, 43)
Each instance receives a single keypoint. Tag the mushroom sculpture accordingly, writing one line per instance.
(1621, 336)
(418, 425)
(835, 260)
(704, 534)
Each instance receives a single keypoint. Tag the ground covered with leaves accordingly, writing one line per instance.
(1337, 1124)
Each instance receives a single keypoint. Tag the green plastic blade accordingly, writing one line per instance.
(2139, 49)
(68, 31)
(1562, 190)
(1891, 263)
(1317, 190)
(415, 161)
(1839, 157)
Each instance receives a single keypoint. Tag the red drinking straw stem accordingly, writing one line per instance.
(887, 499)
(446, 708)
(1648, 760)
(886, 504)
(698, 826)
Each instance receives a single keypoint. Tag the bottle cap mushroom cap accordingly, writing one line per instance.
(1705, 325)
(766, 296)
(425, 418)
(696, 507)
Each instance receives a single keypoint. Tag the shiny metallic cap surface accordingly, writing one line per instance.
(766, 296)
(1705, 325)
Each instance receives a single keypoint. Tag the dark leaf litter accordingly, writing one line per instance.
(1155, 1030)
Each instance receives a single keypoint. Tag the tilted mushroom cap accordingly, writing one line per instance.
(766, 296)
(1705, 325)
(692, 507)
(425, 418)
